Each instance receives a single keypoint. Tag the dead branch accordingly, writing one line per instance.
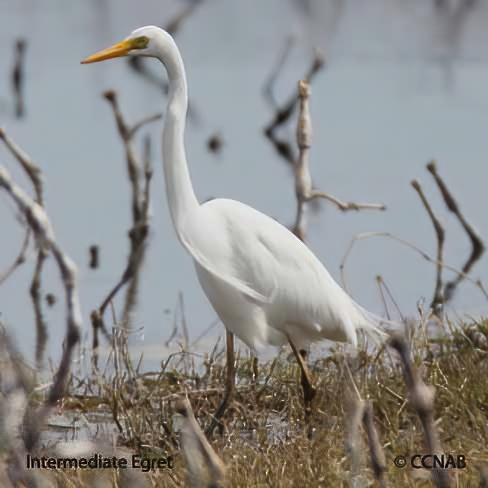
(140, 220)
(32, 170)
(138, 64)
(204, 468)
(438, 299)
(18, 77)
(354, 409)
(34, 174)
(138, 235)
(19, 260)
(184, 328)
(42, 229)
(303, 181)
(145, 121)
(413, 247)
(202, 334)
(378, 460)
(346, 206)
(421, 397)
(268, 88)
(286, 111)
(35, 291)
(476, 241)
(443, 293)
(140, 204)
(94, 257)
(479, 283)
(382, 285)
(285, 148)
(174, 25)
(215, 143)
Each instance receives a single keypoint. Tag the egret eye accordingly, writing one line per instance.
(140, 42)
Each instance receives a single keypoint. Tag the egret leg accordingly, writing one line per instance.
(255, 370)
(229, 385)
(231, 364)
(309, 391)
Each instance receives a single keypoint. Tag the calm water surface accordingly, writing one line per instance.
(405, 82)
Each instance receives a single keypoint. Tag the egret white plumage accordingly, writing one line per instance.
(265, 284)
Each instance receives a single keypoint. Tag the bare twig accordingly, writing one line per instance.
(174, 25)
(138, 64)
(145, 121)
(378, 460)
(20, 259)
(443, 293)
(205, 332)
(41, 226)
(348, 205)
(138, 235)
(354, 408)
(34, 173)
(35, 293)
(140, 219)
(285, 148)
(479, 284)
(32, 170)
(18, 77)
(303, 181)
(476, 241)
(268, 88)
(383, 285)
(94, 256)
(426, 256)
(422, 398)
(215, 143)
(184, 328)
(204, 467)
(438, 299)
(148, 172)
(286, 111)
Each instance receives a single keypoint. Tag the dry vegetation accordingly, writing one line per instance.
(265, 439)
(267, 442)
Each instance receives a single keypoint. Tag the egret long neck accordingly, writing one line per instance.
(179, 189)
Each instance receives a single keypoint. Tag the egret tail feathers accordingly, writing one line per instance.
(373, 325)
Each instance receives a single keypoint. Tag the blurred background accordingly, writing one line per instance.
(405, 82)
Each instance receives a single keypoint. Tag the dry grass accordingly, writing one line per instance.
(265, 439)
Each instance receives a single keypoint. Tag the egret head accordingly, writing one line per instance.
(145, 41)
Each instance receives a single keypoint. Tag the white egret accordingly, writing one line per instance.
(266, 285)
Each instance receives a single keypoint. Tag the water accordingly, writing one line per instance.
(405, 82)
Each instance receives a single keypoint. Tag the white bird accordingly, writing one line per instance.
(266, 285)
